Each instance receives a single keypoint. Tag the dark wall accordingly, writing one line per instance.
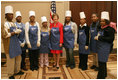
(90, 7)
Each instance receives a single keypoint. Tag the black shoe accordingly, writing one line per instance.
(84, 69)
(57, 67)
(67, 65)
(19, 73)
(96, 69)
(72, 67)
(93, 67)
(11, 77)
(32, 69)
(36, 68)
(54, 65)
(79, 66)
(25, 69)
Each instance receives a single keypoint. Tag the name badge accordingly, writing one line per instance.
(54, 30)
(66, 29)
(80, 33)
(33, 29)
(44, 35)
(92, 30)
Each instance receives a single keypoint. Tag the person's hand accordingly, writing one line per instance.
(22, 44)
(17, 31)
(60, 44)
(86, 47)
(38, 44)
(9, 35)
(29, 45)
(96, 37)
(76, 45)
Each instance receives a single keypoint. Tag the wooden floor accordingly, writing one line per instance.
(66, 73)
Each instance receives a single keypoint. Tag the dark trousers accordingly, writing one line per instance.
(33, 57)
(102, 72)
(23, 56)
(83, 58)
(70, 57)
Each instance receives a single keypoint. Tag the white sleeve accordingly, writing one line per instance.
(26, 32)
(76, 30)
(39, 38)
(6, 27)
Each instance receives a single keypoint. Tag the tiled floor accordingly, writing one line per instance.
(66, 73)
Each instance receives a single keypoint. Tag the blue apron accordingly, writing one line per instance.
(55, 38)
(103, 49)
(21, 36)
(68, 37)
(14, 46)
(82, 42)
(44, 48)
(33, 37)
(93, 33)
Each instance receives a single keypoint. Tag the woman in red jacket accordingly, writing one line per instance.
(56, 39)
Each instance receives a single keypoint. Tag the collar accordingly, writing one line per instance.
(69, 23)
(83, 25)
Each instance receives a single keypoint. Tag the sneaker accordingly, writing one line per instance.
(11, 77)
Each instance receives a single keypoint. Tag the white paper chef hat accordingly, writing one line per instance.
(68, 13)
(18, 13)
(105, 15)
(31, 13)
(82, 15)
(8, 9)
(43, 19)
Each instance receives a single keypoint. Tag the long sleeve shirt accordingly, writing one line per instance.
(27, 30)
(60, 30)
(74, 30)
(5, 30)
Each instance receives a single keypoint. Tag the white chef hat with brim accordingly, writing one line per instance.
(82, 15)
(31, 13)
(8, 9)
(68, 13)
(18, 13)
(43, 19)
(105, 15)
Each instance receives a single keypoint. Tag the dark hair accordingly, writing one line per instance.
(55, 14)
(66, 21)
(107, 21)
(95, 14)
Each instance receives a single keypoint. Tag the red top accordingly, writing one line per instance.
(58, 24)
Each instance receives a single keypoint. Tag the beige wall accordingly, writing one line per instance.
(42, 8)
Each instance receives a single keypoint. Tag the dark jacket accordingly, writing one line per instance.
(86, 29)
(108, 35)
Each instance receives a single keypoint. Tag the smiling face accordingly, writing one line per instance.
(18, 19)
(94, 18)
(102, 22)
(44, 24)
(82, 21)
(9, 16)
(55, 19)
(32, 18)
(68, 19)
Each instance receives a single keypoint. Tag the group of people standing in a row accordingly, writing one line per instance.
(17, 37)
